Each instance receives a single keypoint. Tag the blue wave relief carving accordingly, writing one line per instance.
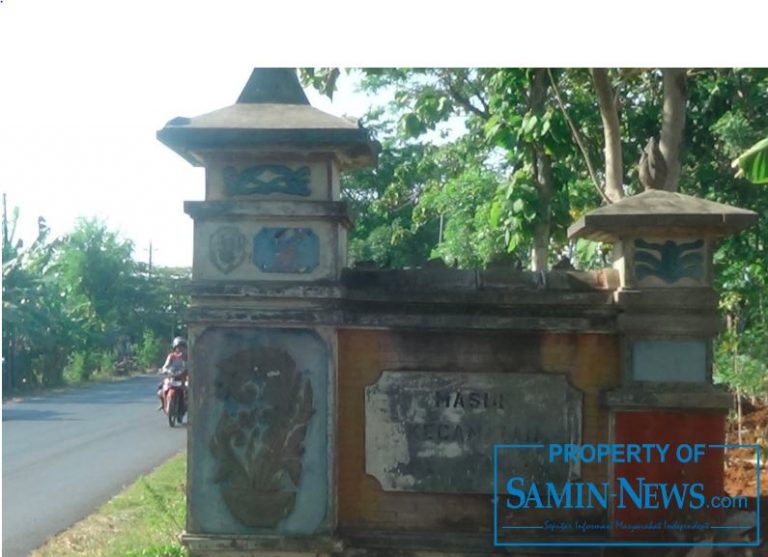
(669, 261)
(267, 179)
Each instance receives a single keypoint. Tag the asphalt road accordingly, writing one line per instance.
(66, 454)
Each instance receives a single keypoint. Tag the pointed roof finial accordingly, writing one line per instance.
(272, 111)
(273, 85)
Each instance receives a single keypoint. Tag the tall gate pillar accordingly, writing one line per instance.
(269, 247)
(664, 244)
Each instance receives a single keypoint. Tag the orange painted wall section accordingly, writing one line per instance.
(590, 361)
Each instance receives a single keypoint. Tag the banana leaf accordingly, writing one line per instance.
(753, 164)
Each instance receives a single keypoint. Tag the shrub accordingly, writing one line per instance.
(78, 368)
(169, 550)
(105, 362)
(151, 351)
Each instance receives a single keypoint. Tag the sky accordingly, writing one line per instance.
(84, 92)
(85, 84)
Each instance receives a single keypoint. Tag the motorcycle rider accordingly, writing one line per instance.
(175, 363)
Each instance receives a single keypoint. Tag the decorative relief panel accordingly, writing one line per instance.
(227, 248)
(669, 262)
(264, 179)
(286, 250)
(259, 446)
(260, 436)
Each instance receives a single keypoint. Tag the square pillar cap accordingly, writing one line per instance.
(661, 213)
(272, 111)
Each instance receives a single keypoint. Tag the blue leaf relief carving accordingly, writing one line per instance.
(669, 261)
(286, 250)
(267, 179)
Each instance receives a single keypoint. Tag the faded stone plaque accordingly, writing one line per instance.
(436, 431)
(681, 361)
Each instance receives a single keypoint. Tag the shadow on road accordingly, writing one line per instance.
(30, 415)
(132, 390)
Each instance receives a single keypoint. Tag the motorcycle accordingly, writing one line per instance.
(174, 394)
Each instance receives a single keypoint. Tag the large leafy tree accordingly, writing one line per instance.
(100, 282)
(36, 330)
(726, 116)
(556, 143)
(482, 164)
(534, 132)
(111, 297)
(80, 298)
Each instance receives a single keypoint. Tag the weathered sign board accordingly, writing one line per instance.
(435, 431)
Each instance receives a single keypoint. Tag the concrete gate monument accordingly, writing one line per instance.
(358, 411)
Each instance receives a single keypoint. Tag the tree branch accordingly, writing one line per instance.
(544, 179)
(464, 101)
(673, 123)
(606, 100)
(479, 94)
(577, 138)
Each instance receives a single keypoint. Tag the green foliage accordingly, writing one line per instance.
(382, 201)
(166, 550)
(76, 306)
(322, 79)
(106, 362)
(144, 520)
(83, 366)
(457, 176)
(78, 368)
(151, 350)
(590, 255)
(753, 164)
(723, 121)
(36, 329)
(166, 505)
(100, 282)
(741, 361)
(734, 131)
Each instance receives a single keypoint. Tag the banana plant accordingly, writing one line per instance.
(753, 163)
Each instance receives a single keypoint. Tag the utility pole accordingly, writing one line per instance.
(151, 251)
(9, 346)
(6, 240)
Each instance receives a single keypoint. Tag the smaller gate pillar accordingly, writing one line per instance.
(269, 248)
(663, 248)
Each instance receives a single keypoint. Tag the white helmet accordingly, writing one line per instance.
(178, 341)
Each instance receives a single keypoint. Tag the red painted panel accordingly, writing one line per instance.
(675, 428)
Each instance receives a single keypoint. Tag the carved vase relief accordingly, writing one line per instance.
(267, 179)
(227, 248)
(259, 439)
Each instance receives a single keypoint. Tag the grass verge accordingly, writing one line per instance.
(145, 520)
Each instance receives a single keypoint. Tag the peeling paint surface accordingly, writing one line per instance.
(435, 431)
(286, 250)
(299, 506)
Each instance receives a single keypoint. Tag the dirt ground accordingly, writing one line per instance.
(740, 464)
(741, 480)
